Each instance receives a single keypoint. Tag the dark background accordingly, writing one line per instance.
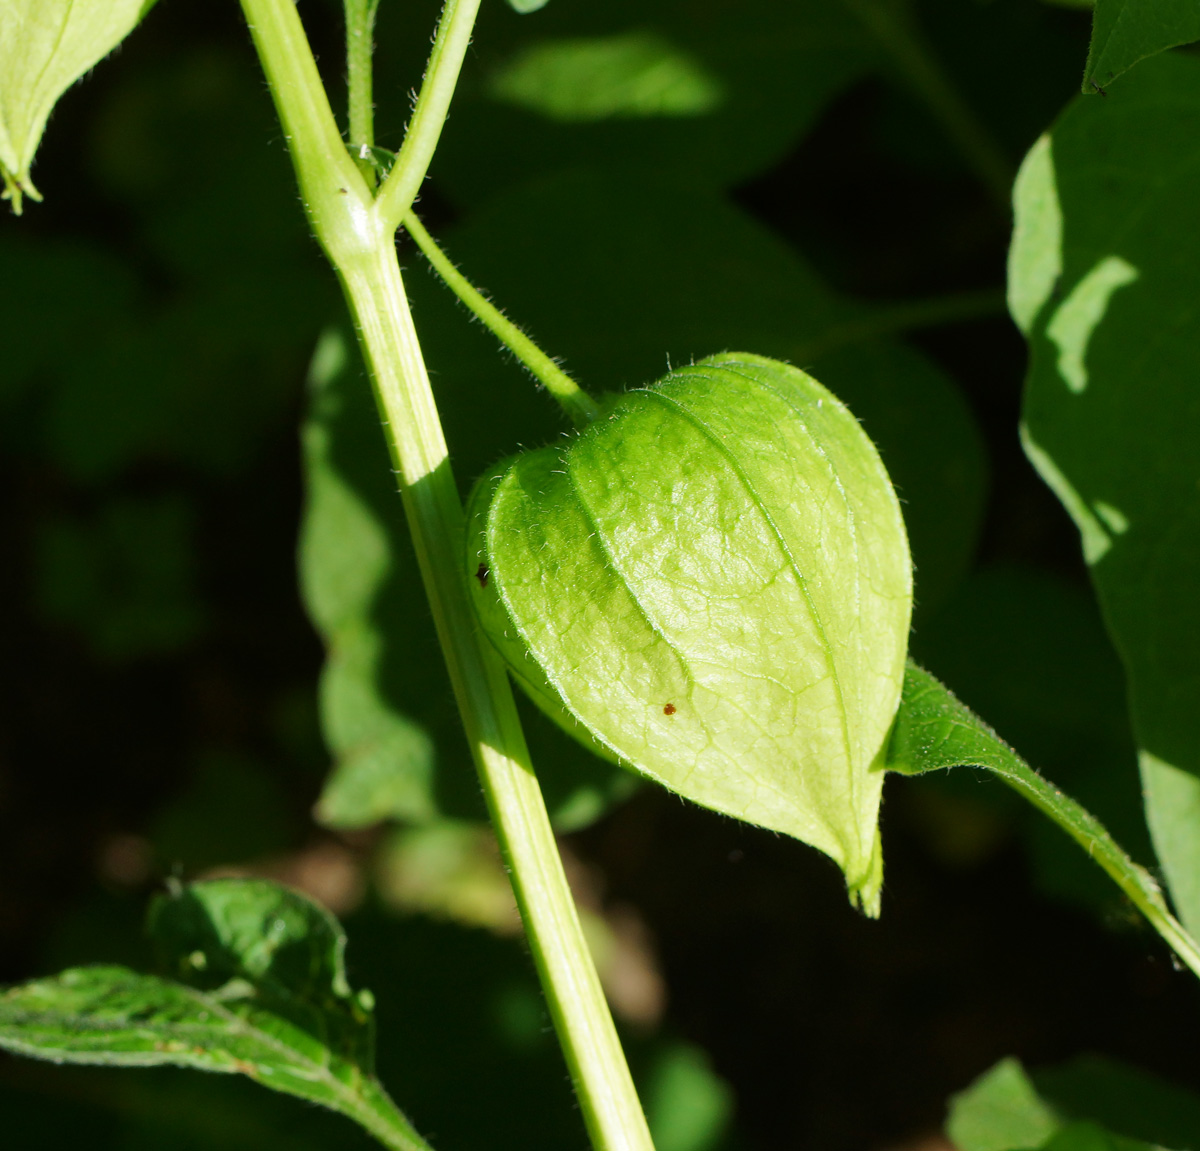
(158, 673)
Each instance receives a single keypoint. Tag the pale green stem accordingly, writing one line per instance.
(359, 238)
(425, 129)
(893, 26)
(578, 405)
(360, 36)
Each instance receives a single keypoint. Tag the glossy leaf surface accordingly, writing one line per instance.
(45, 46)
(1125, 32)
(1106, 266)
(715, 580)
(261, 990)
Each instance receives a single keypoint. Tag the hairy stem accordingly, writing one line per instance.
(578, 405)
(425, 129)
(357, 232)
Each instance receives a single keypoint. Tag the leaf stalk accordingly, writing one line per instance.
(578, 405)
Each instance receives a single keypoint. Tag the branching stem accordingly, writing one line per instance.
(357, 231)
(425, 129)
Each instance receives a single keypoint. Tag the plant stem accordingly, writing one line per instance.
(360, 36)
(894, 28)
(358, 236)
(578, 405)
(425, 129)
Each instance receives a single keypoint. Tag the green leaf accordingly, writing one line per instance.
(715, 580)
(1110, 416)
(634, 74)
(1004, 1111)
(526, 6)
(261, 991)
(1028, 649)
(45, 46)
(1125, 32)
(384, 759)
(934, 730)
(1000, 1111)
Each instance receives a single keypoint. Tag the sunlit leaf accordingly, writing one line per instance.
(1127, 31)
(714, 580)
(45, 46)
(1001, 1111)
(1110, 415)
(1004, 1111)
(635, 74)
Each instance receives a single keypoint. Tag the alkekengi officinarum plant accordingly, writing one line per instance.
(714, 580)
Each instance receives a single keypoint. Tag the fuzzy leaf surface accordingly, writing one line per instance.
(715, 581)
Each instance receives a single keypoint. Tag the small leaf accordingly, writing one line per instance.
(1000, 1111)
(715, 581)
(633, 74)
(1127, 31)
(526, 6)
(261, 991)
(45, 46)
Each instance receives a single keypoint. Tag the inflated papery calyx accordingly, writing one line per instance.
(713, 579)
